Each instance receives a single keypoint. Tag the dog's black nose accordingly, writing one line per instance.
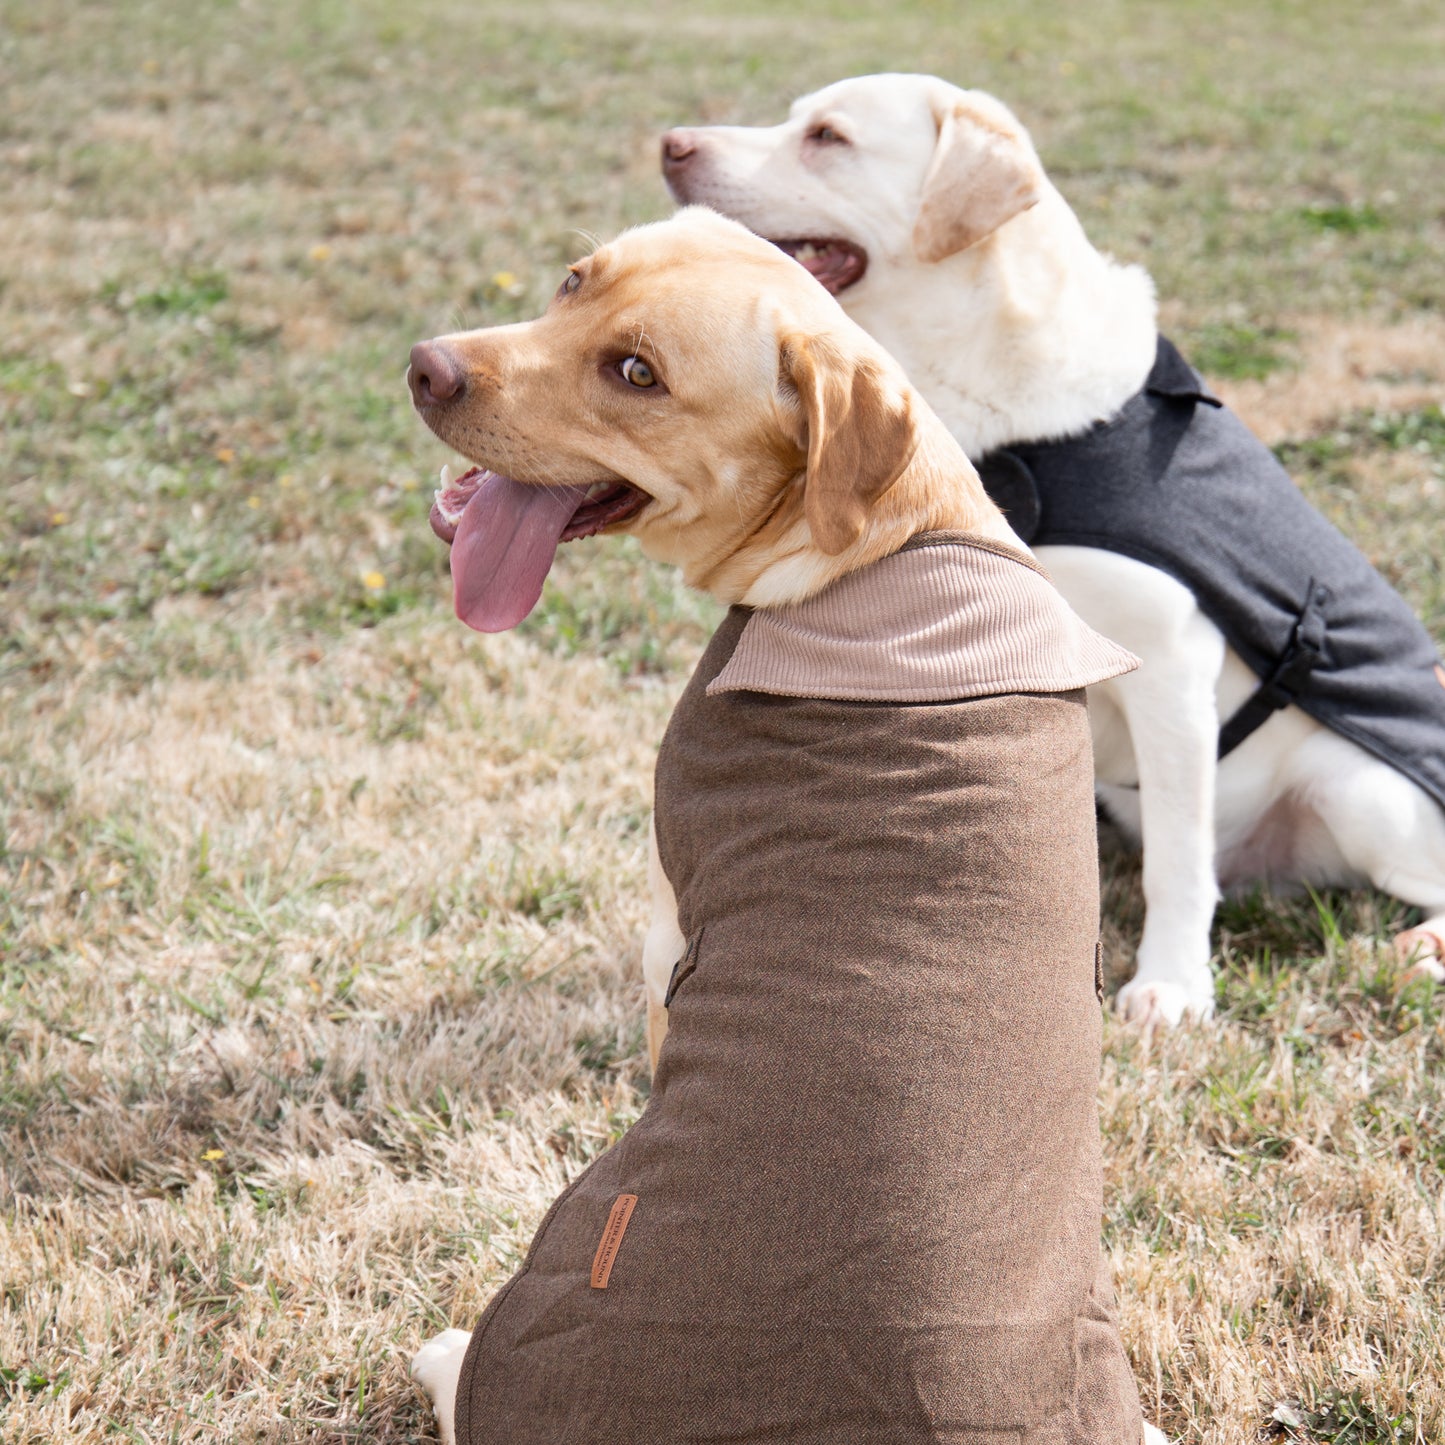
(435, 375)
(678, 148)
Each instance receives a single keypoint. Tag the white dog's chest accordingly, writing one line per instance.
(1188, 678)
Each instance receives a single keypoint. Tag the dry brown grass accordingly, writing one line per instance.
(334, 1017)
(319, 918)
(1344, 366)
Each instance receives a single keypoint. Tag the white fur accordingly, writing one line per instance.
(1050, 370)
(436, 1367)
(1032, 334)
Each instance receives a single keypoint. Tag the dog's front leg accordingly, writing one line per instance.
(661, 948)
(437, 1368)
(1170, 709)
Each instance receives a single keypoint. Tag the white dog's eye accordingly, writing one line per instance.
(636, 372)
(572, 282)
(826, 135)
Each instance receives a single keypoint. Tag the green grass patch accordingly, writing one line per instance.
(1342, 1417)
(1348, 220)
(1238, 352)
(189, 293)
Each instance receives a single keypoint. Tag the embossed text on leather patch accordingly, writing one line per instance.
(611, 1239)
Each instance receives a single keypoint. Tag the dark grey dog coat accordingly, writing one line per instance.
(1177, 480)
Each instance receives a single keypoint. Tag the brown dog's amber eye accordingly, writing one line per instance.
(572, 282)
(637, 372)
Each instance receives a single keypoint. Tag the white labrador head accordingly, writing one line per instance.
(905, 170)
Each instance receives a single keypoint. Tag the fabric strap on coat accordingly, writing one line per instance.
(1283, 684)
(1010, 482)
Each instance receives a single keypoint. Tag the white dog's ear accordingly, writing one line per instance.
(983, 173)
(861, 434)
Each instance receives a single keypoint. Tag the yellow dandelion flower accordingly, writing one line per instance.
(321, 252)
(225, 455)
(254, 503)
(373, 581)
(504, 280)
(211, 1155)
(59, 519)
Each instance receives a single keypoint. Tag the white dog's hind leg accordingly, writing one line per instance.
(1423, 949)
(436, 1367)
(1391, 831)
(661, 948)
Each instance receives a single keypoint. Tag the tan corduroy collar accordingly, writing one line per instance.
(949, 616)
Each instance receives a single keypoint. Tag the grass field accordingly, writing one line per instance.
(320, 916)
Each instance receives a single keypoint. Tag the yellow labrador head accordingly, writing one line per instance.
(688, 384)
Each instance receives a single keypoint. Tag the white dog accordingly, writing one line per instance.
(925, 209)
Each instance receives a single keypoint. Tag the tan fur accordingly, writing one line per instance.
(656, 1031)
(860, 438)
(783, 447)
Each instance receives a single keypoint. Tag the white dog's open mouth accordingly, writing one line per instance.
(836, 263)
(504, 535)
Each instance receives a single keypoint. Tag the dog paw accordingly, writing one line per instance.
(1154, 1005)
(1422, 951)
(1154, 1436)
(437, 1367)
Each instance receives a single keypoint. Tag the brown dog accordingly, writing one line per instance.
(862, 1204)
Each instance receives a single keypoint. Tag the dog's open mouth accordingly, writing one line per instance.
(504, 535)
(836, 263)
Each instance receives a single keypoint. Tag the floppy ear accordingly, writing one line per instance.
(982, 174)
(861, 436)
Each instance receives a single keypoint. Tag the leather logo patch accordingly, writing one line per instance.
(1440, 674)
(606, 1254)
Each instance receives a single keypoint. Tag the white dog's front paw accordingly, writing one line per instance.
(1154, 1436)
(1156, 1004)
(436, 1367)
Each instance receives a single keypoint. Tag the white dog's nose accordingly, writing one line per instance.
(678, 148)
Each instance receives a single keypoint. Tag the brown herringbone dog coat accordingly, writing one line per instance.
(862, 1205)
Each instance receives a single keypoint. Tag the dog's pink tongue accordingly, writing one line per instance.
(505, 542)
